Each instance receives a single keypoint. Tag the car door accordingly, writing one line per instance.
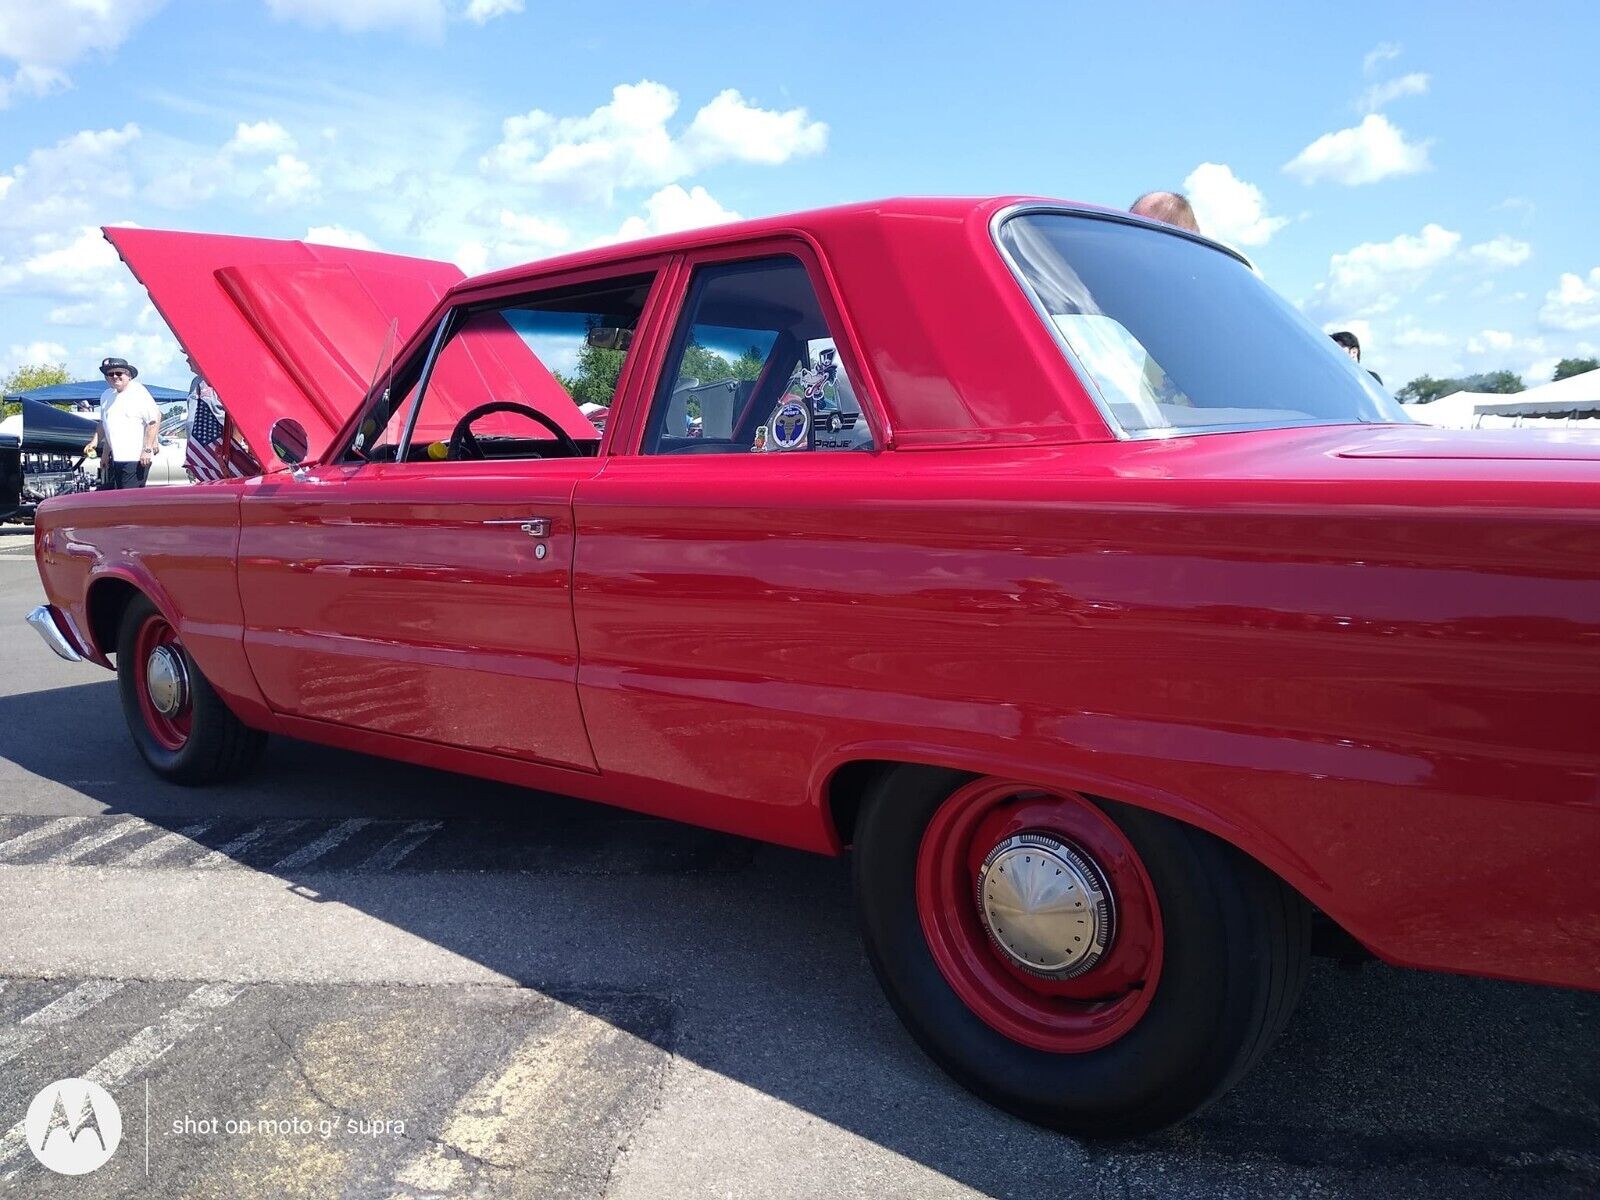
(419, 582)
(728, 571)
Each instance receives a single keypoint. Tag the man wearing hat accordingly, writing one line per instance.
(130, 426)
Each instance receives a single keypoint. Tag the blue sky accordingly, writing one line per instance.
(1425, 174)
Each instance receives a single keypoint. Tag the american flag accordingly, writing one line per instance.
(210, 454)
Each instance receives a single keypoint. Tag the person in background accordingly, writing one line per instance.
(201, 391)
(1172, 207)
(213, 450)
(1352, 347)
(130, 425)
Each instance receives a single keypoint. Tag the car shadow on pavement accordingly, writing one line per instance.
(1386, 1080)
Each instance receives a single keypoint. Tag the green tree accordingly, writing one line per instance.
(1493, 381)
(748, 365)
(29, 376)
(594, 381)
(35, 375)
(1425, 389)
(1568, 367)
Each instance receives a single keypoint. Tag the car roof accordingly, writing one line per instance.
(822, 223)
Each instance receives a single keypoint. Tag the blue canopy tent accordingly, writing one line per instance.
(89, 389)
(43, 435)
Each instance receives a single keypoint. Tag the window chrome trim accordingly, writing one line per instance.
(1090, 386)
(445, 322)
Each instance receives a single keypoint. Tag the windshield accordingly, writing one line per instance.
(1175, 336)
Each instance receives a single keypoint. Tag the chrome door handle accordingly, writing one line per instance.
(534, 527)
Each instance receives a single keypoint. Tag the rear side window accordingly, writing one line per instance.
(1175, 336)
(753, 369)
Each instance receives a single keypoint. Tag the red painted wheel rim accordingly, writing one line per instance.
(171, 732)
(1059, 1016)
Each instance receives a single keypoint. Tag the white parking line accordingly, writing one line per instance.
(34, 836)
(225, 854)
(140, 1053)
(94, 841)
(389, 855)
(164, 845)
(32, 1028)
(311, 851)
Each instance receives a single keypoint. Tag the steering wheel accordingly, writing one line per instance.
(463, 445)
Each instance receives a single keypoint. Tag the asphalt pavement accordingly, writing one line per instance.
(346, 977)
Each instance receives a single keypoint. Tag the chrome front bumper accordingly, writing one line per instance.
(43, 619)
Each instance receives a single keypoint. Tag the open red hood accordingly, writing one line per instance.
(282, 329)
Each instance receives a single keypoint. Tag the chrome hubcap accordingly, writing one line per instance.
(167, 681)
(1045, 906)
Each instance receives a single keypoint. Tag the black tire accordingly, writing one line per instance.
(217, 747)
(1237, 943)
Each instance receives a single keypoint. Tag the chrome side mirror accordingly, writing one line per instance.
(289, 441)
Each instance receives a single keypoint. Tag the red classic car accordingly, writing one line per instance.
(1041, 555)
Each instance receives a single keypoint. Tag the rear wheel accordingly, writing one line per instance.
(1083, 964)
(180, 725)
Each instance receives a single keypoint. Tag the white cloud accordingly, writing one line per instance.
(731, 129)
(1378, 55)
(1502, 251)
(1368, 152)
(35, 354)
(1372, 277)
(1228, 208)
(1574, 303)
(620, 144)
(626, 143)
(46, 37)
(153, 353)
(338, 235)
(1379, 94)
(1517, 204)
(1412, 336)
(77, 265)
(508, 237)
(82, 313)
(1495, 347)
(262, 137)
(1491, 341)
(289, 181)
(54, 187)
(419, 18)
(481, 12)
(672, 209)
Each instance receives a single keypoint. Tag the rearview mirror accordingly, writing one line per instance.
(289, 440)
(609, 337)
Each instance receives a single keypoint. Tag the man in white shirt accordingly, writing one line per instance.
(130, 426)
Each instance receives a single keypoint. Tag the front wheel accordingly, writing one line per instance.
(181, 727)
(1086, 965)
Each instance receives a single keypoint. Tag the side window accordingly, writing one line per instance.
(753, 368)
(532, 377)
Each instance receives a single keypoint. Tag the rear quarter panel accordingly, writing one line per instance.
(1380, 690)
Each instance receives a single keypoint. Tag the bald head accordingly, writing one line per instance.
(1170, 207)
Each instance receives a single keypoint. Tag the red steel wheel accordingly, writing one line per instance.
(1087, 964)
(1040, 915)
(182, 729)
(161, 677)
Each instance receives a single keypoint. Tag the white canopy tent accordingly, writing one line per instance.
(1574, 401)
